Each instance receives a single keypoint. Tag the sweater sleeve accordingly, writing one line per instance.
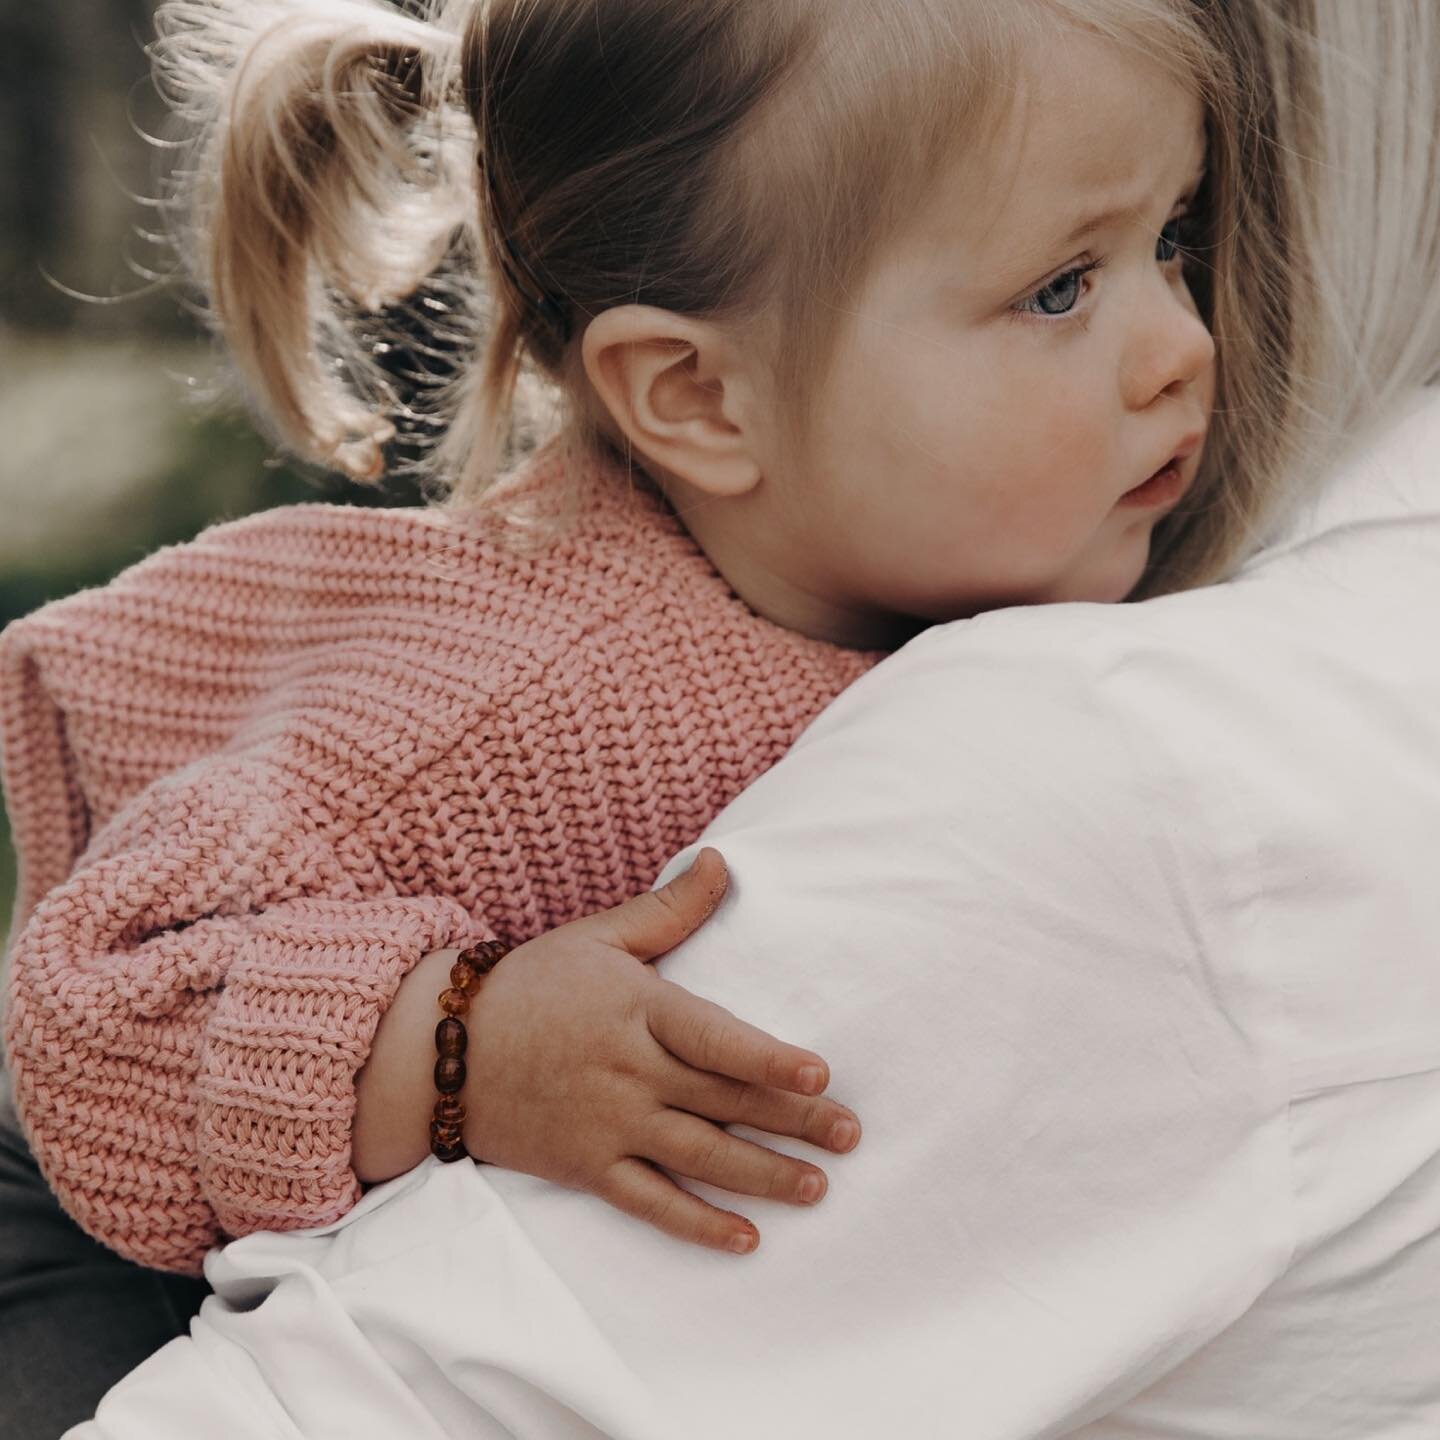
(188, 1010)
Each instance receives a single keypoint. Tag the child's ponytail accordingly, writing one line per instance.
(329, 170)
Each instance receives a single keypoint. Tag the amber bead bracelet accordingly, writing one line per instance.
(470, 968)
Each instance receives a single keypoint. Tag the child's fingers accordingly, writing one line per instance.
(644, 1192)
(688, 1145)
(649, 925)
(709, 1037)
(818, 1120)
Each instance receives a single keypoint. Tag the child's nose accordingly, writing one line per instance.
(1169, 345)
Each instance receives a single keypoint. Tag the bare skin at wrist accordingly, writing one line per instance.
(395, 1092)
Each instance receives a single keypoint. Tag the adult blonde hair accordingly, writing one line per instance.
(514, 167)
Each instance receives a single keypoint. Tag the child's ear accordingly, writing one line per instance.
(679, 393)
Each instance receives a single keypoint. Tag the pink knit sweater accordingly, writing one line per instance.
(258, 776)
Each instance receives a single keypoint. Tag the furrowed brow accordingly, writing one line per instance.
(1119, 214)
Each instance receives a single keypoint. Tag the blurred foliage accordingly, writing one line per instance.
(74, 97)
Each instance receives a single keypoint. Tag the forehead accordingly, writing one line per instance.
(1090, 130)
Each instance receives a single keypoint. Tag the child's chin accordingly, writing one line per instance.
(1130, 564)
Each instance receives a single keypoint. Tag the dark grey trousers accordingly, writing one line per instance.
(74, 1316)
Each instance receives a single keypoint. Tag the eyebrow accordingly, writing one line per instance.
(1118, 213)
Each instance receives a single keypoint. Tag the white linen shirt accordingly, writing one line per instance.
(1119, 927)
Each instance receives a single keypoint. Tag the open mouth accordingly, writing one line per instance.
(1165, 485)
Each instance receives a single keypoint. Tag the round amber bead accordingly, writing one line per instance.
(485, 956)
(450, 1038)
(454, 1002)
(449, 1111)
(464, 977)
(449, 1075)
(448, 1154)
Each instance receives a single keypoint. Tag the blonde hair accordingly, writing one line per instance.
(720, 158)
(1341, 146)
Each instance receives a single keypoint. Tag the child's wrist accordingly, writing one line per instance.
(454, 1090)
(395, 1091)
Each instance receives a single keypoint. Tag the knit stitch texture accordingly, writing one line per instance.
(257, 777)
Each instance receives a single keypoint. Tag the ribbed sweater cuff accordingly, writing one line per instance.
(290, 1033)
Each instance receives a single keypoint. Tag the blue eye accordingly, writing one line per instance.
(1173, 242)
(1058, 296)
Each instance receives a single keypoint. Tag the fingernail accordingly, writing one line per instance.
(743, 1244)
(844, 1134)
(812, 1079)
(809, 1189)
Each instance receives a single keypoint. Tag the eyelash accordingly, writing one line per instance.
(1077, 273)
(1174, 235)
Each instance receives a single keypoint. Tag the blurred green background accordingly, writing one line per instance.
(103, 457)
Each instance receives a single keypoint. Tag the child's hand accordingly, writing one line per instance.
(588, 1069)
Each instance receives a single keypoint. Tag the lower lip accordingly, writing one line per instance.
(1160, 489)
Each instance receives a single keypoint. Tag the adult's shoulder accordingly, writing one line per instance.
(1233, 787)
(1043, 779)
(1015, 918)
(1037, 793)
(1184, 710)
(1105, 709)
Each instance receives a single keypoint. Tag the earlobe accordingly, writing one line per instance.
(676, 389)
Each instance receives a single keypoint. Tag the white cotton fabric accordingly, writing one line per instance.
(1120, 929)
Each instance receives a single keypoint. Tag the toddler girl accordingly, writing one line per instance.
(862, 318)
